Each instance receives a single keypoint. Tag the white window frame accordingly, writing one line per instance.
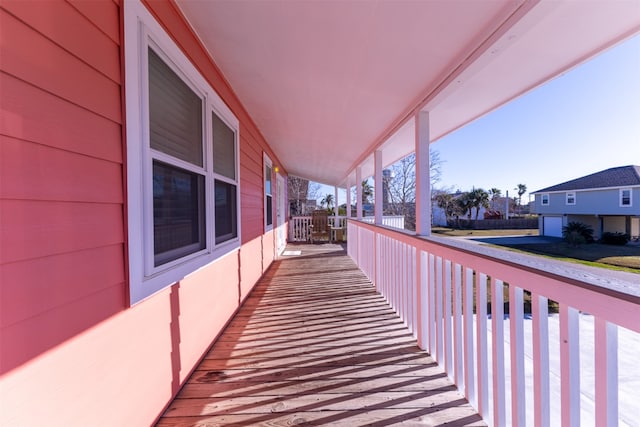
(620, 198)
(145, 279)
(543, 197)
(267, 162)
(571, 195)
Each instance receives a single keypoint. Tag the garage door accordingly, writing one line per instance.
(552, 226)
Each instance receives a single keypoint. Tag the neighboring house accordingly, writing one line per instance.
(608, 201)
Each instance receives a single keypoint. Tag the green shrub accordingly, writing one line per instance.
(574, 238)
(609, 238)
(577, 233)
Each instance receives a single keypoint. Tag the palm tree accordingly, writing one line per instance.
(495, 194)
(479, 199)
(465, 203)
(367, 192)
(327, 200)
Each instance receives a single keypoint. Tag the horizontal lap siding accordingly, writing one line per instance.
(62, 260)
(65, 327)
(61, 173)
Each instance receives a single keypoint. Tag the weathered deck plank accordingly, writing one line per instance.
(315, 345)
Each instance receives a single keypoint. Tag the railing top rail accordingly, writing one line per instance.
(617, 284)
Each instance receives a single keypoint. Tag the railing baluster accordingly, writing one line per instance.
(497, 351)
(380, 261)
(432, 307)
(469, 371)
(606, 367)
(439, 309)
(413, 289)
(516, 330)
(404, 269)
(423, 303)
(481, 334)
(540, 327)
(401, 284)
(569, 365)
(448, 344)
(396, 273)
(458, 378)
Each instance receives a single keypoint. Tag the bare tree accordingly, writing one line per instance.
(402, 185)
(314, 190)
(298, 189)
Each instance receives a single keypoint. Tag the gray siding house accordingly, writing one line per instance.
(608, 201)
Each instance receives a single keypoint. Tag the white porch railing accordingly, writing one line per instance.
(395, 221)
(299, 225)
(536, 369)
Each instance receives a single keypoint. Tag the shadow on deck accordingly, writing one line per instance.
(314, 344)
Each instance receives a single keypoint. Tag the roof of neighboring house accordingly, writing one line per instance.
(622, 176)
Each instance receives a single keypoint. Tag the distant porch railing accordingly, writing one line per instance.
(486, 316)
(299, 225)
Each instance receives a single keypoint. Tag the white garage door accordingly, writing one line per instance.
(552, 226)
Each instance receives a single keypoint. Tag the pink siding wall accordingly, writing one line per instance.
(71, 351)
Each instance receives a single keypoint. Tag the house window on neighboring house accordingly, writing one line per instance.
(625, 197)
(182, 161)
(544, 199)
(571, 198)
(268, 193)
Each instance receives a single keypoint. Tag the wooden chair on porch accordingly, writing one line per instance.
(320, 228)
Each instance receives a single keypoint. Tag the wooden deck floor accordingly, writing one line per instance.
(315, 345)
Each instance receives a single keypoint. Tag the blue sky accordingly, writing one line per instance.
(582, 122)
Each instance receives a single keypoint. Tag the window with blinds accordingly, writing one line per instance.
(175, 129)
(175, 114)
(183, 184)
(224, 168)
(268, 193)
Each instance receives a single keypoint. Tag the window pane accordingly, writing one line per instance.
(175, 114)
(269, 211)
(226, 218)
(626, 197)
(224, 147)
(178, 213)
(267, 179)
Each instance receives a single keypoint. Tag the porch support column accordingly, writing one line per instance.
(377, 182)
(335, 205)
(348, 197)
(423, 180)
(359, 193)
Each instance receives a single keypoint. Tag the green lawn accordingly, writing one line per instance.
(626, 258)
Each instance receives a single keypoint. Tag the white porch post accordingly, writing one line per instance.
(423, 180)
(335, 205)
(377, 180)
(348, 197)
(359, 193)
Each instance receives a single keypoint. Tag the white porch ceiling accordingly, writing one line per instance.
(328, 82)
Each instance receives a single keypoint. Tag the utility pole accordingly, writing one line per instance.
(506, 215)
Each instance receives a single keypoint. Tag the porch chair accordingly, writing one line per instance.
(320, 225)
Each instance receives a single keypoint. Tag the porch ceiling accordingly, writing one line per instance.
(329, 82)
